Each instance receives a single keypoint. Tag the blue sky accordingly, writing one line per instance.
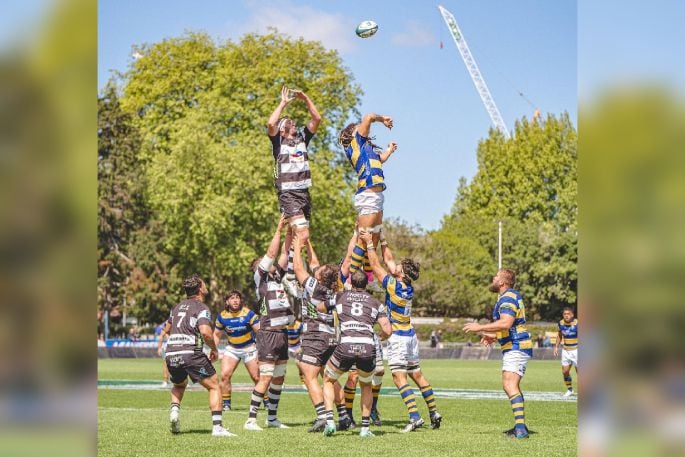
(526, 45)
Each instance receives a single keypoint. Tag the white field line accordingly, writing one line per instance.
(462, 394)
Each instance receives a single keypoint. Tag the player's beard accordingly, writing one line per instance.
(493, 287)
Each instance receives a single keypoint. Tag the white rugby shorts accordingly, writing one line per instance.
(569, 357)
(403, 353)
(369, 202)
(245, 354)
(515, 362)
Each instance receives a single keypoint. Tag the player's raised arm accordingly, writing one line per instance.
(388, 257)
(385, 155)
(364, 127)
(298, 265)
(374, 262)
(345, 265)
(315, 120)
(272, 250)
(283, 258)
(272, 123)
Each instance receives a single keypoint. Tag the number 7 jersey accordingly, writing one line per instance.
(185, 336)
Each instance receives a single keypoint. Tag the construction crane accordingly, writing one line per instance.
(472, 67)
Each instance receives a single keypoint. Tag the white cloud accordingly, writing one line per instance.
(415, 35)
(333, 30)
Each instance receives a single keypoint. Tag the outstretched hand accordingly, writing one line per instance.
(282, 222)
(284, 95)
(472, 327)
(365, 236)
(487, 340)
(387, 121)
(392, 147)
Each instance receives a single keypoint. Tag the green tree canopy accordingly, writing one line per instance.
(201, 109)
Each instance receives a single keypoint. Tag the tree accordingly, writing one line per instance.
(201, 109)
(530, 183)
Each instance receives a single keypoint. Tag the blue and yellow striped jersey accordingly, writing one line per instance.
(238, 326)
(294, 333)
(366, 162)
(398, 297)
(569, 333)
(517, 337)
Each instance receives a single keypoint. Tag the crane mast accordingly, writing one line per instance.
(472, 67)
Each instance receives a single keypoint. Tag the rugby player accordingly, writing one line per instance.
(189, 326)
(509, 328)
(367, 159)
(272, 338)
(291, 162)
(239, 323)
(568, 333)
(357, 313)
(403, 345)
(318, 334)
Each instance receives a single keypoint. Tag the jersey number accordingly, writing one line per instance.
(178, 324)
(357, 309)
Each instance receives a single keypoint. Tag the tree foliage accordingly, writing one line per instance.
(205, 160)
(528, 182)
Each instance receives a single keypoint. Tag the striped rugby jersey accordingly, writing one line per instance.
(517, 337)
(313, 320)
(291, 167)
(569, 333)
(366, 162)
(238, 326)
(398, 297)
(274, 307)
(294, 333)
(357, 312)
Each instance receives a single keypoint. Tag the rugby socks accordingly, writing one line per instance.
(227, 399)
(376, 389)
(175, 406)
(357, 257)
(407, 394)
(569, 382)
(266, 400)
(349, 399)
(427, 392)
(517, 408)
(365, 424)
(342, 411)
(329, 418)
(216, 419)
(274, 398)
(255, 401)
(320, 410)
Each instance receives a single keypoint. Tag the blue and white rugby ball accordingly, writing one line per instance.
(366, 29)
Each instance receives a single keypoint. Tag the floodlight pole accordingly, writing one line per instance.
(499, 245)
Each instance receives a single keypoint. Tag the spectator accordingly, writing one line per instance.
(434, 338)
(440, 345)
(546, 342)
(133, 334)
(540, 340)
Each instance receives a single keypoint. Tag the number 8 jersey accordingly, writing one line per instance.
(357, 312)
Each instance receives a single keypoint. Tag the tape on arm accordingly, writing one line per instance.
(266, 263)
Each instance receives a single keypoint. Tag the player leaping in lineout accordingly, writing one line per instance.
(291, 167)
(367, 161)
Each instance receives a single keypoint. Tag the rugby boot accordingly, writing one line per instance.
(436, 418)
(220, 431)
(366, 433)
(275, 424)
(329, 430)
(413, 425)
(345, 423)
(318, 426)
(251, 424)
(175, 421)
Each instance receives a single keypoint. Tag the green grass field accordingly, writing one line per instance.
(135, 422)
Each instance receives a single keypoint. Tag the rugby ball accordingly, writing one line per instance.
(366, 29)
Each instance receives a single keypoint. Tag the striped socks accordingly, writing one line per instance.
(408, 396)
(357, 257)
(569, 382)
(349, 399)
(255, 401)
(427, 392)
(518, 410)
(274, 398)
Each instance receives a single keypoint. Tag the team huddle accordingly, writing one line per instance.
(322, 314)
